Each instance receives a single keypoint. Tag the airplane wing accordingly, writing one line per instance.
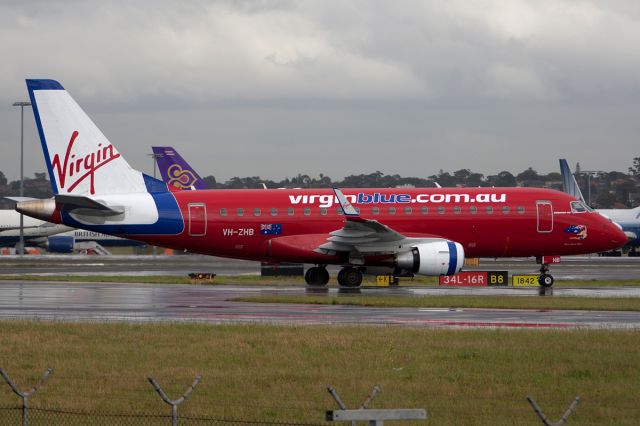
(364, 236)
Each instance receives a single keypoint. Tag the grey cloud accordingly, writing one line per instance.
(338, 87)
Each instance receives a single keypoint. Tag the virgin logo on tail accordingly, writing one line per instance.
(83, 167)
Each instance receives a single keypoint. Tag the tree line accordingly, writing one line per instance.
(603, 189)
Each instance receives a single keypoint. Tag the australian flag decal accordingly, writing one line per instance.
(579, 232)
(271, 229)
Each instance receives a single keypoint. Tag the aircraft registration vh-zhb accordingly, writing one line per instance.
(415, 231)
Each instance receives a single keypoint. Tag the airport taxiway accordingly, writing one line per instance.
(571, 268)
(210, 304)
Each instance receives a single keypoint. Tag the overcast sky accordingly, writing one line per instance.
(274, 88)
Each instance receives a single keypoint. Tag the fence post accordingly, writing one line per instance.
(25, 395)
(544, 418)
(373, 417)
(174, 403)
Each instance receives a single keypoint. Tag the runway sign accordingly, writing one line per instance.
(386, 280)
(525, 280)
(476, 279)
(465, 279)
(498, 278)
(471, 261)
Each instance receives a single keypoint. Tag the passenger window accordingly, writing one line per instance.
(407, 210)
(323, 211)
(457, 210)
(290, 211)
(489, 210)
(505, 209)
(375, 211)
(473, 209)
(339, 211)
(274, 211)
(240, 211)
(307, 211)
(257, 212)
(441, 210)
(424, 210)
(223, 212)
(520, 210)
(392, 210)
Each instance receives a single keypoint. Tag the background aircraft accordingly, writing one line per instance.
(628, 219)
(423, 231)
(175, 171)
(35, 231)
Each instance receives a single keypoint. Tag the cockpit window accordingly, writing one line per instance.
(578, 207)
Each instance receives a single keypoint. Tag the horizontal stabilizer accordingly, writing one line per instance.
(74, 202)
(20, 199)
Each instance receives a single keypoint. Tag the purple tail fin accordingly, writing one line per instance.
(175, 171)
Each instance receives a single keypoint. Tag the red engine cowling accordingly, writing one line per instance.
(435, 258)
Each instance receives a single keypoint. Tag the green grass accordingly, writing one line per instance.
(494, 302)
(462, 377)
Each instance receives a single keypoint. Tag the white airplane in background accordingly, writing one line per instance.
(55, 238)
(628, 219)
(34, 230)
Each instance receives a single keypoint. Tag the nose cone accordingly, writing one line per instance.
(618, 237)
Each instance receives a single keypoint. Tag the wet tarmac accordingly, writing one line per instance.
(211, 304)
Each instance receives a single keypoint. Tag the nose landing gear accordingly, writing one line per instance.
(545, 279)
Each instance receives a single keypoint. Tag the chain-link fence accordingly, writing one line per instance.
(26, 414)
(11, 416)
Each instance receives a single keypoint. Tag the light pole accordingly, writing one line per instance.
(21, 105)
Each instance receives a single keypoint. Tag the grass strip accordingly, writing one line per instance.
(256, 372)
(494, 302)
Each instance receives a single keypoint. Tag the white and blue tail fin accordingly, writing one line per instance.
(80, 159)
(569, 184)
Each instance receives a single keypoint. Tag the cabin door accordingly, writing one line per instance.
(197, 219)
(545, 216)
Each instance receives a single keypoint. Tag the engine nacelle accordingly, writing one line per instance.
(60, 244)
(435, 258)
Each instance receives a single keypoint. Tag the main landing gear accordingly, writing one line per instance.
(350, 277)
(317, 276)
(545, 279)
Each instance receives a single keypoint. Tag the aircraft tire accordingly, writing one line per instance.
(350, 277)
(316, 276)
(545, 280)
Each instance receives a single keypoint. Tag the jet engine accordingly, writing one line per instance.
(60, 244)
(434, 258)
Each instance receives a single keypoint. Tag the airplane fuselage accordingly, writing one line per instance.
(287, 225)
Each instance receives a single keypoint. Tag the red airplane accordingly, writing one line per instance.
(406, 231)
